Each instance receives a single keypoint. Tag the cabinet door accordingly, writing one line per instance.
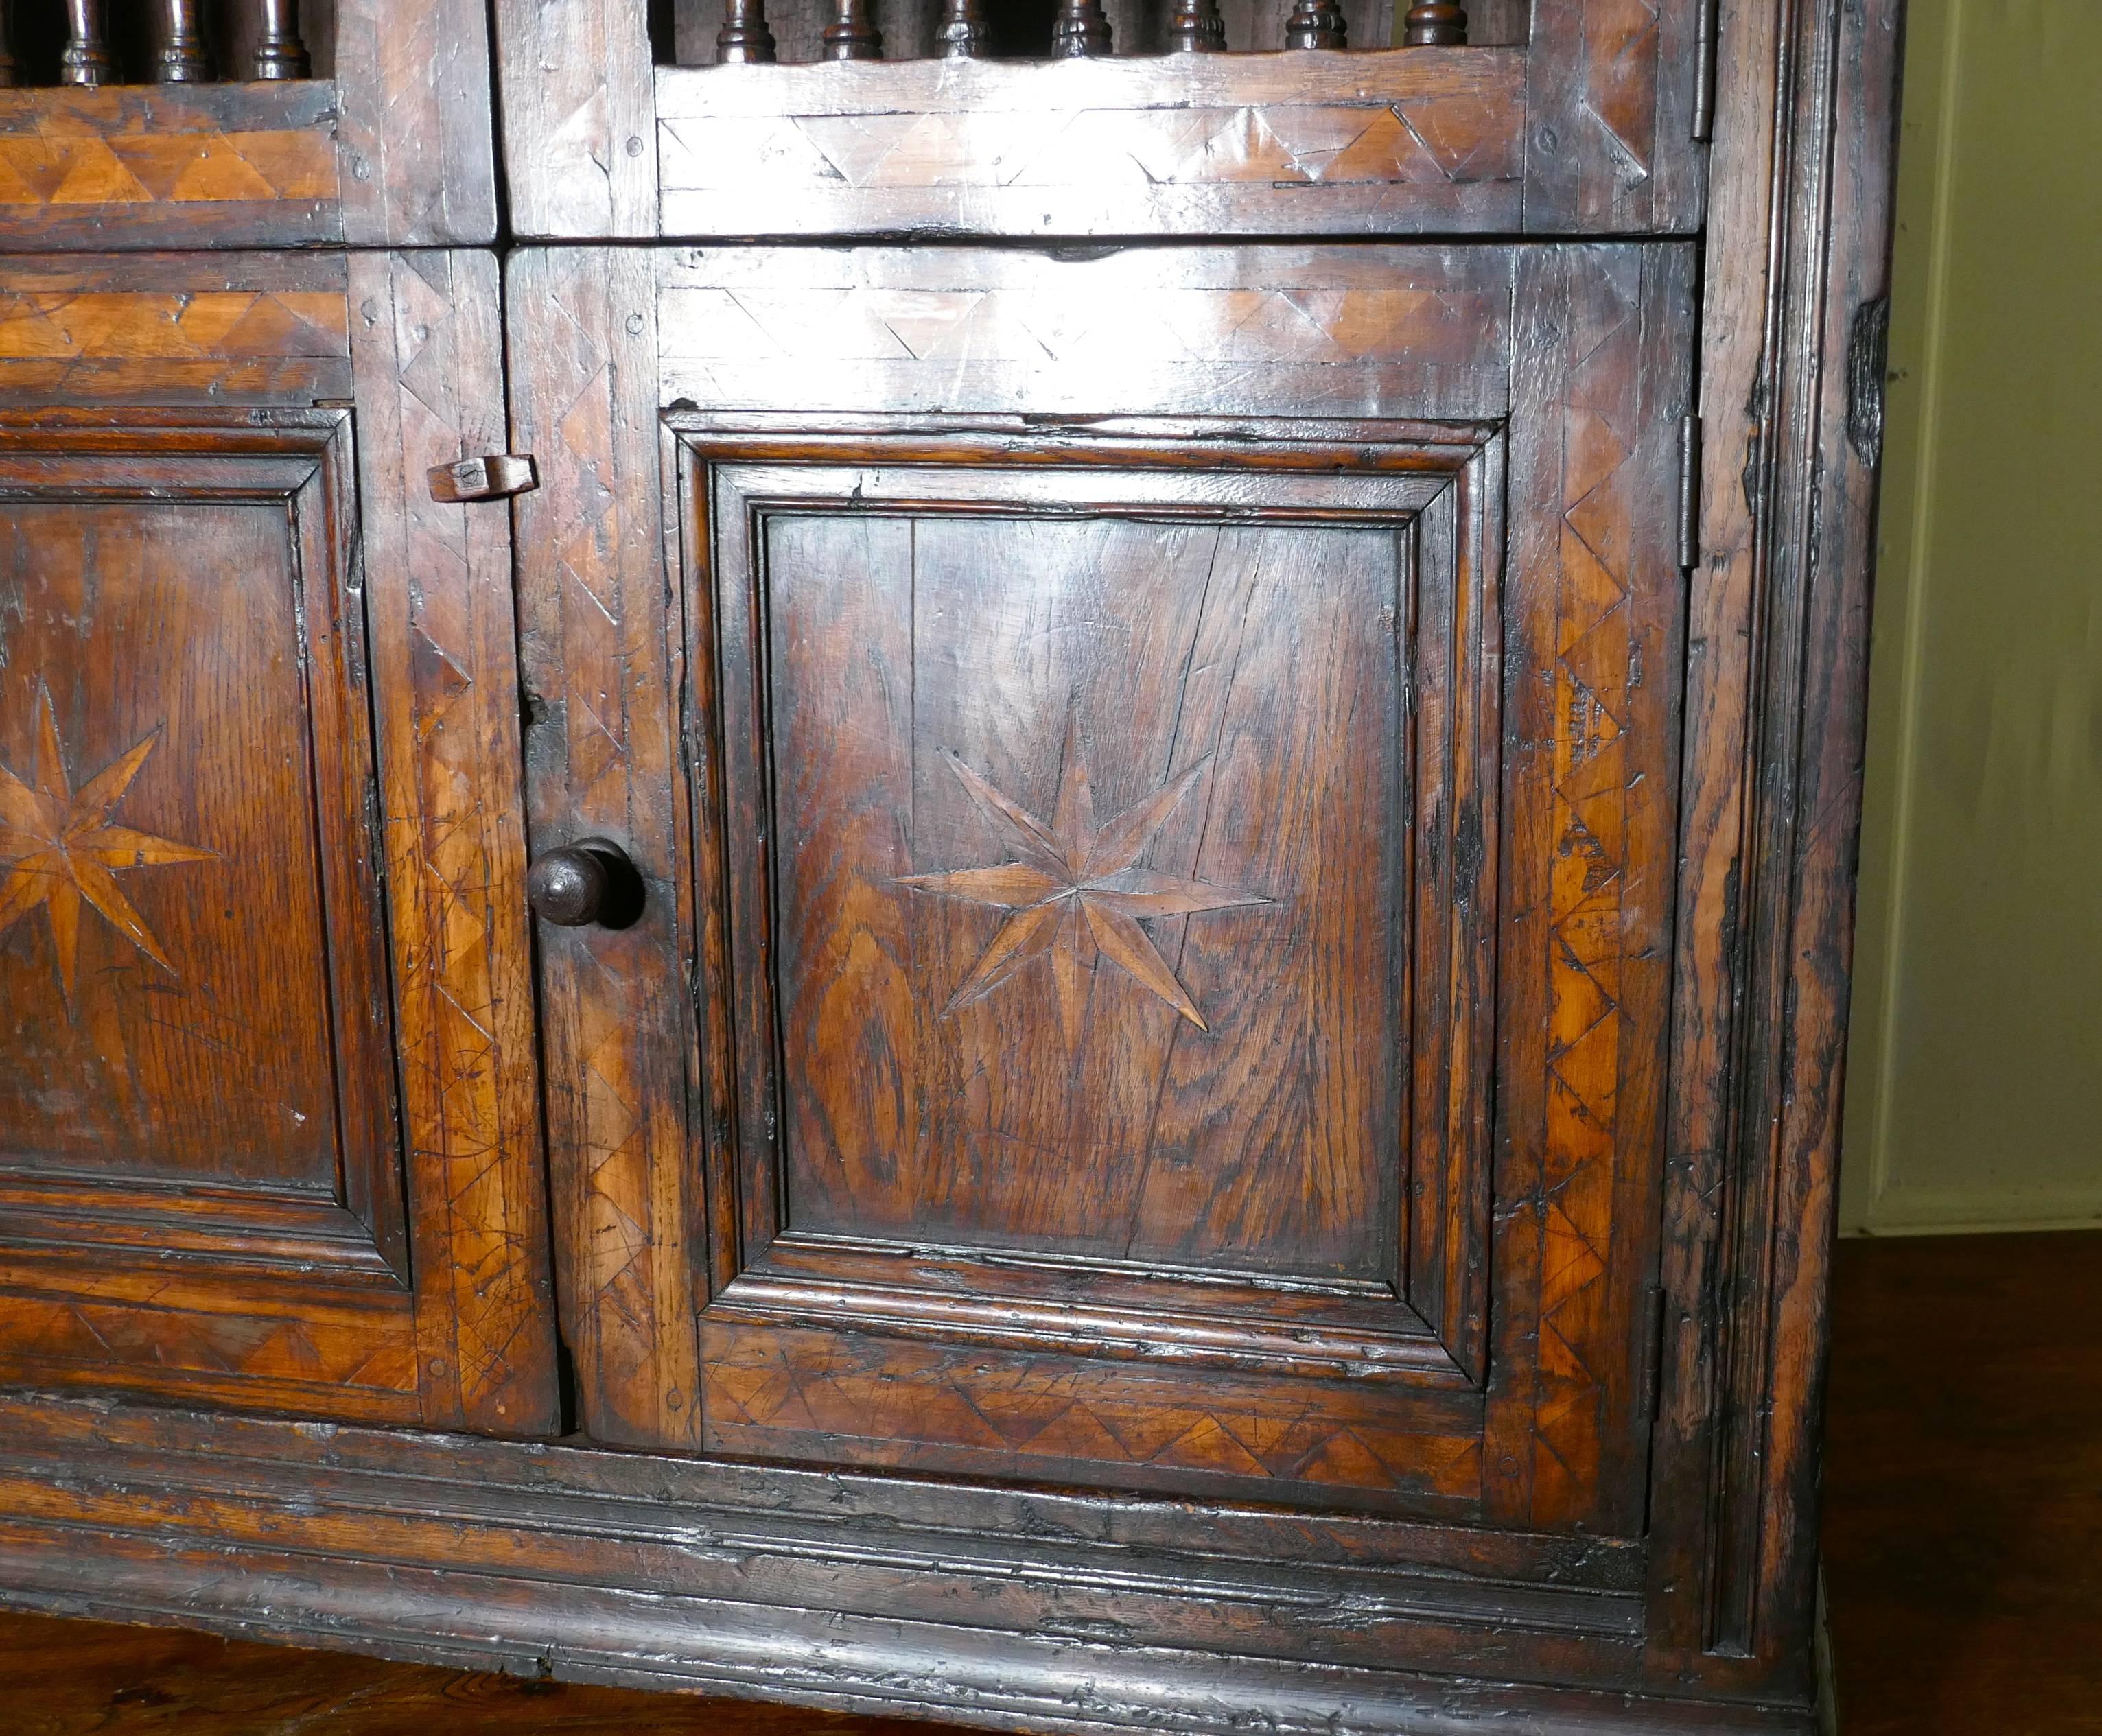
(267, 1099)
(1177, 813)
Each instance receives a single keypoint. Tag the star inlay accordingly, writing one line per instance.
(66, 851)
(1073, 888)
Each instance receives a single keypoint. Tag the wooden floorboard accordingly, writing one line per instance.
(1963, 1487)
(1963, 1539)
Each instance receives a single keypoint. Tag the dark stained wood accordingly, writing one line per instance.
(427, 353)
(1080, 28)
(852, 34)
(1608, 117)
(1592, 612)
(1963, 1492)
(184, 55)
(1072, 1115)
(155, 330)
(1316, 23)
(67, 1678)
(280, 51)
(215, 1204)
(184, 165)
(399, 151)
(1960, 1531)
(86, 60)
(199, 1186)
(1049, 1578)
(600, 649)
(1439, 23)
(1197, 27)
(1163, 982)
(965, 31)
(744, 37)
(907, 980)
(1777, 641)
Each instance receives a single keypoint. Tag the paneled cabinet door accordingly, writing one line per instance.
(268, 1103)
(1174, 839)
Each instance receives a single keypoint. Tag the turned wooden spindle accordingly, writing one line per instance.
(1197, 27)
(86, 57)
(965, 31)
(1439, 23)
(280, 53)
(851, 35)
(185, 57)
(1316, 23)
(1080, 30)
(744, 39)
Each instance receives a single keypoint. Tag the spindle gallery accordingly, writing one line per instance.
(938, 857)
(905, 30)
(170, 41)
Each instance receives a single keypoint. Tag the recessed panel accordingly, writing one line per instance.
(1092, 848)
(162, 954)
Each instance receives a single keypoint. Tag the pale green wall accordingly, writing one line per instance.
(1974, 1093)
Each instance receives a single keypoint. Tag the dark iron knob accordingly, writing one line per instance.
(589, 881)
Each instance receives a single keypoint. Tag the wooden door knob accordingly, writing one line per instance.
(589, 882)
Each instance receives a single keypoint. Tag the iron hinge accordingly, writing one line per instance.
(1706, 28)
(1689, 492)
(1652, 1374)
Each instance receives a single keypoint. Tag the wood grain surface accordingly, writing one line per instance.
(187, 165)
(236, 328)
(1578, 123)
(428, 348)
(1951, 1611)
(938, 682)
(200, 1180)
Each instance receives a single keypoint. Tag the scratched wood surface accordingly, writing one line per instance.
(600, 642)
(1411, 140)
(1578, 121)
(239, 328)
(1778, 641)
(428, 351)
(1921, 1652)
(218, 1208)
(229, 165)
(1057, 1047)
(199, 1074)
(397, 149)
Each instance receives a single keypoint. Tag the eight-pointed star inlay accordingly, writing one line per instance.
(66, 851)
(1074, 888)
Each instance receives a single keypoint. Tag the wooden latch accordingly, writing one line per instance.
(496, 477)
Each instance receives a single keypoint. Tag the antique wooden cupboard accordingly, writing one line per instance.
(1011, 882)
